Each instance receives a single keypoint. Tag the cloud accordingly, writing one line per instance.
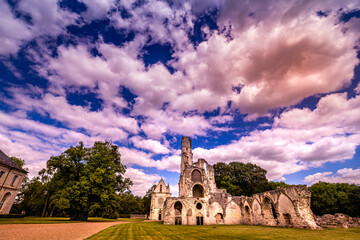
(296, 59)
(299, 139)
(130, 157)
(105, 123)
(345, 175)
(142, 181)
(149, 144)
(46, 16)
(13, 32)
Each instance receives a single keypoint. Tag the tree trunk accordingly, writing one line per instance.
(46, 203)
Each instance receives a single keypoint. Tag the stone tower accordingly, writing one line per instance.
(186, 162)
(158, 197)
(186, 153)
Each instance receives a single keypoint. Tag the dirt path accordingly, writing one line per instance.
(63, 231)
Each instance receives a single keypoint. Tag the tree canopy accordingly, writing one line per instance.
(335, 198)
(241, 178)
(80, 182)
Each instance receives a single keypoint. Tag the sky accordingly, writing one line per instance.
(273, 82)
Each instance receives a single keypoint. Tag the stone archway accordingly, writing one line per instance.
(269, 212)
(247, 215)
(198, 191)
(257, 212)
(3, 202)
(178, 209)
(286, 211)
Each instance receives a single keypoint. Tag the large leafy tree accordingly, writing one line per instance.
(87, 181)
(240, 178)
(335, 198)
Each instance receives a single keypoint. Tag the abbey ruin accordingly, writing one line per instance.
(200, 202)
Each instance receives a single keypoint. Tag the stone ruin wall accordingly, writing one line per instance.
(284, 207)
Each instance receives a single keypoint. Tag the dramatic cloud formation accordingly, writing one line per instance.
(274, 83)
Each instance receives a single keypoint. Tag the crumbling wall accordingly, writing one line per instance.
(338, 220)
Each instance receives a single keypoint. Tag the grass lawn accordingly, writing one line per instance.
(40, 220)
(156, 230)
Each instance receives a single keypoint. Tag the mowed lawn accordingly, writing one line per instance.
(156, 230)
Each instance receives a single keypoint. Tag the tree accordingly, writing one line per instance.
(128, 203)
(335, 198)
(240, 178)
(87, 180)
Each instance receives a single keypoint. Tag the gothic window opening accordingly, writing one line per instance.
(160, 188)
(178, 209)
(198, 191)
(196, 176)
(247, 215)
(13, 181)
(3, 200)
(273, 210)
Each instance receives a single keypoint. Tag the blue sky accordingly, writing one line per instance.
(273, 83)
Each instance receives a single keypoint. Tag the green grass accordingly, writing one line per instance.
(130, 220)
(156, 230)
(41, 220)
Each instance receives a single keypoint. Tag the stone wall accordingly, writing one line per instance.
(338, 220)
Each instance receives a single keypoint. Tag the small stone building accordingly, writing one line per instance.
(200, 202)
(158, 197)
(11, 176)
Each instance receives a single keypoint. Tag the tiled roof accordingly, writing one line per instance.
(4, 159)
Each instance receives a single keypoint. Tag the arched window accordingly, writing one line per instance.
(3, 200)
(196, 176)
(14, 179)
(160, 188)
(198, 191)
(178, 208)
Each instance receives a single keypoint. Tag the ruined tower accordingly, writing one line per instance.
(186, 162)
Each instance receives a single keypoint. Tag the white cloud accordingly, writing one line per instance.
(149, 144)
(13, 32)
(345, 175)
(47, 16)
(142, 181)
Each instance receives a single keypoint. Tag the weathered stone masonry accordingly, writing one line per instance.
(200, 202)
